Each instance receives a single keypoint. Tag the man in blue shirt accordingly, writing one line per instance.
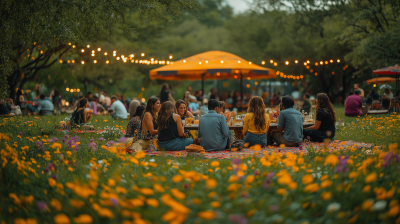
(118, 108)
(213, 129)
(45, 106)
(290, 124)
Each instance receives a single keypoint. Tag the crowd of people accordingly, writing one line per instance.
(165, 123)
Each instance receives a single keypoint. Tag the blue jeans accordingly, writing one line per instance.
(177, 144)
(255, 139)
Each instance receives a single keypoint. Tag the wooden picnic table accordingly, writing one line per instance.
(238, 129)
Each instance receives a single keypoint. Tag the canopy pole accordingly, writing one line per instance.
(241, 92)
(202, 85)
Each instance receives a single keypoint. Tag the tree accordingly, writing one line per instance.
(35, 34)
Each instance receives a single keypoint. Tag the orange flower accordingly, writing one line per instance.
(61, 219)
(215, 204)
(214, 163)
(307, 179)
(371, 178)
(152, 202)
(206, 215)
(84, 219)
(211, 183)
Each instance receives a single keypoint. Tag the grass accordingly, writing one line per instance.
(49, 177)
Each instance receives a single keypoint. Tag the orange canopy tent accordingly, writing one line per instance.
(380, 80)
(212, 65)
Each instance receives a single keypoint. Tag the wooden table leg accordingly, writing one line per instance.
(238, 134)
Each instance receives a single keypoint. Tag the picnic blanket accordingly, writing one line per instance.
(78, 131)
(335, 145)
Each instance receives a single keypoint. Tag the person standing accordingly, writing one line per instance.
(171, 135)
(165, 94)
(256, 123)
(306, 103)
(324, 127)
(213, 94)
(118, 109)
(353, 105)
(290, 124)
(386, 98)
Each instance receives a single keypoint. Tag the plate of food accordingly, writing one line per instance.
(194, 148)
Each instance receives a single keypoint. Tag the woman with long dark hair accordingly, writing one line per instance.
(256, 123)
(171, 136)
(143, 138)
(81, 115)
(324, 127)
(165, 94)
(135, 123)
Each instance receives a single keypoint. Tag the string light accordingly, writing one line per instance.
(98, 49)
(95, 61)
(239, 62)
(256, 83)
(68, 43)
(308, 62)
(142, 54)
(206, 62)
(249, 62)
(132, 55)
(82, 62)
(305, 63)
(105, 53)
(170, 57)
(338, 60)
(67, 89)
(107, 61)
(73, 61)
(321, 62)
(248, 85)
(184, 61)
(248, 78)
(287, 63)
(271, 61)
(222, 61)
(117, 58)
(60, 61)
(301, 76)
(316, 63)
(92, 55)
(263, 62)
(296, 61)
(275, 64)
(333, 73)
(73, 46)
(83, 50)
(331, 61)
(316, 74)
(88, 46)
(326, 62)
(199, 62)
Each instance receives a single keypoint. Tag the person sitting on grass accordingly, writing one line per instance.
(182, 110)
(135, 123)
(290, 124)
(353, 105)
(324, 127)
(256, 123)
(81, 115)
(6, 107)
(171, 136)
(143, 138)
(45, 106)
(213, 129)
(118, 109)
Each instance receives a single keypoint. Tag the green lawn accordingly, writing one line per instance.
(50, 177)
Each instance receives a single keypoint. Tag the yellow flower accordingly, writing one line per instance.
(353, 175)
(111, 182)
(211, 183)
(307, 179)
(206, 215)
(366, 188)
(214, 163)
(367, 204)
(371, 178)
(393, 211)
(331, 159)
(52, 182)
(61, 219)
(146, 191)
(84, 219)
(311, 188)
(177, 178)
(215, 204)
(152, 202)
(326, 195)
(326, 183)
(176, 193)
(56, 204)
(281, 191)
(158, 188)
(249, 179)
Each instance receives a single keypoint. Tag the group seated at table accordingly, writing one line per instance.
(166, 124)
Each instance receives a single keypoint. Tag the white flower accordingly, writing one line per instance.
(333, 207)
(379, 205)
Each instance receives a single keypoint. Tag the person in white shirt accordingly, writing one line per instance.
(117, 109)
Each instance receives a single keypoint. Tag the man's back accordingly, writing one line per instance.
(120, 109)
(292, 122)
(352, 105)
(45, 104)
(213, 131)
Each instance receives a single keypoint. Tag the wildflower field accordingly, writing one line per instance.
(48, 176)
